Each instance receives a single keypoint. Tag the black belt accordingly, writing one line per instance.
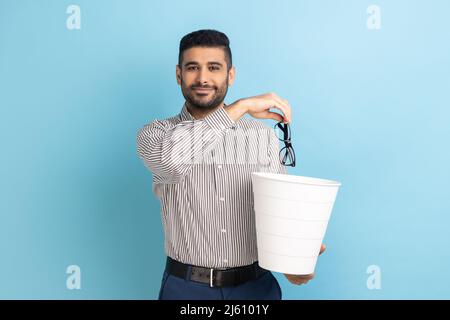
(215, 277)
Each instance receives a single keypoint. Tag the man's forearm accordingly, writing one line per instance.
(236, 110)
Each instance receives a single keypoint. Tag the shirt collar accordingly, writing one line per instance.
(185, 115)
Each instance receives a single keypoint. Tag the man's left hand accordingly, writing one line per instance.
(302, 279)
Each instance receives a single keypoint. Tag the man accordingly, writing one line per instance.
(203, 178)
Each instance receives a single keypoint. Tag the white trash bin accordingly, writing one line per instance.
(291, 214)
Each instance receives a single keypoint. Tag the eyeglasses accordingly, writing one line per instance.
(287, 154)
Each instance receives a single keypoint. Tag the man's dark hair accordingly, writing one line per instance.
(206, 38)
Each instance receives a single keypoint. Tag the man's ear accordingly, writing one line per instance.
(231, 76)
(178, 74)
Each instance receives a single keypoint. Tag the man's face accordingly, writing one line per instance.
(203, 77)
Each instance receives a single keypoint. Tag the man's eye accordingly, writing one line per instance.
(191, 68)
(215, 68)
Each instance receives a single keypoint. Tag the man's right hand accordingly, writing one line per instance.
(259, 106)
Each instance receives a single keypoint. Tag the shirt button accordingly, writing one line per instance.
(219, 166)
(223, 230)
(225, 260)
(222, 199)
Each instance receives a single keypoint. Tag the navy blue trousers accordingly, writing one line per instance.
(266, 287)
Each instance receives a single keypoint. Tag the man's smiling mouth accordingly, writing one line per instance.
(203, 90)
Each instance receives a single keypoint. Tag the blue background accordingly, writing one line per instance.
(370, 110)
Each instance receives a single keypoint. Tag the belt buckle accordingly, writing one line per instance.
(211, 274)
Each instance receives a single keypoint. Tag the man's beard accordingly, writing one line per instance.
(202, 102)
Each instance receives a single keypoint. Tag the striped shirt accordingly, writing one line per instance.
(201, 172)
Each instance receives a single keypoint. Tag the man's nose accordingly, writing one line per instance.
(202, 76)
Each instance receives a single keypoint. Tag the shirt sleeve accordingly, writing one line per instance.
(169, 151)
